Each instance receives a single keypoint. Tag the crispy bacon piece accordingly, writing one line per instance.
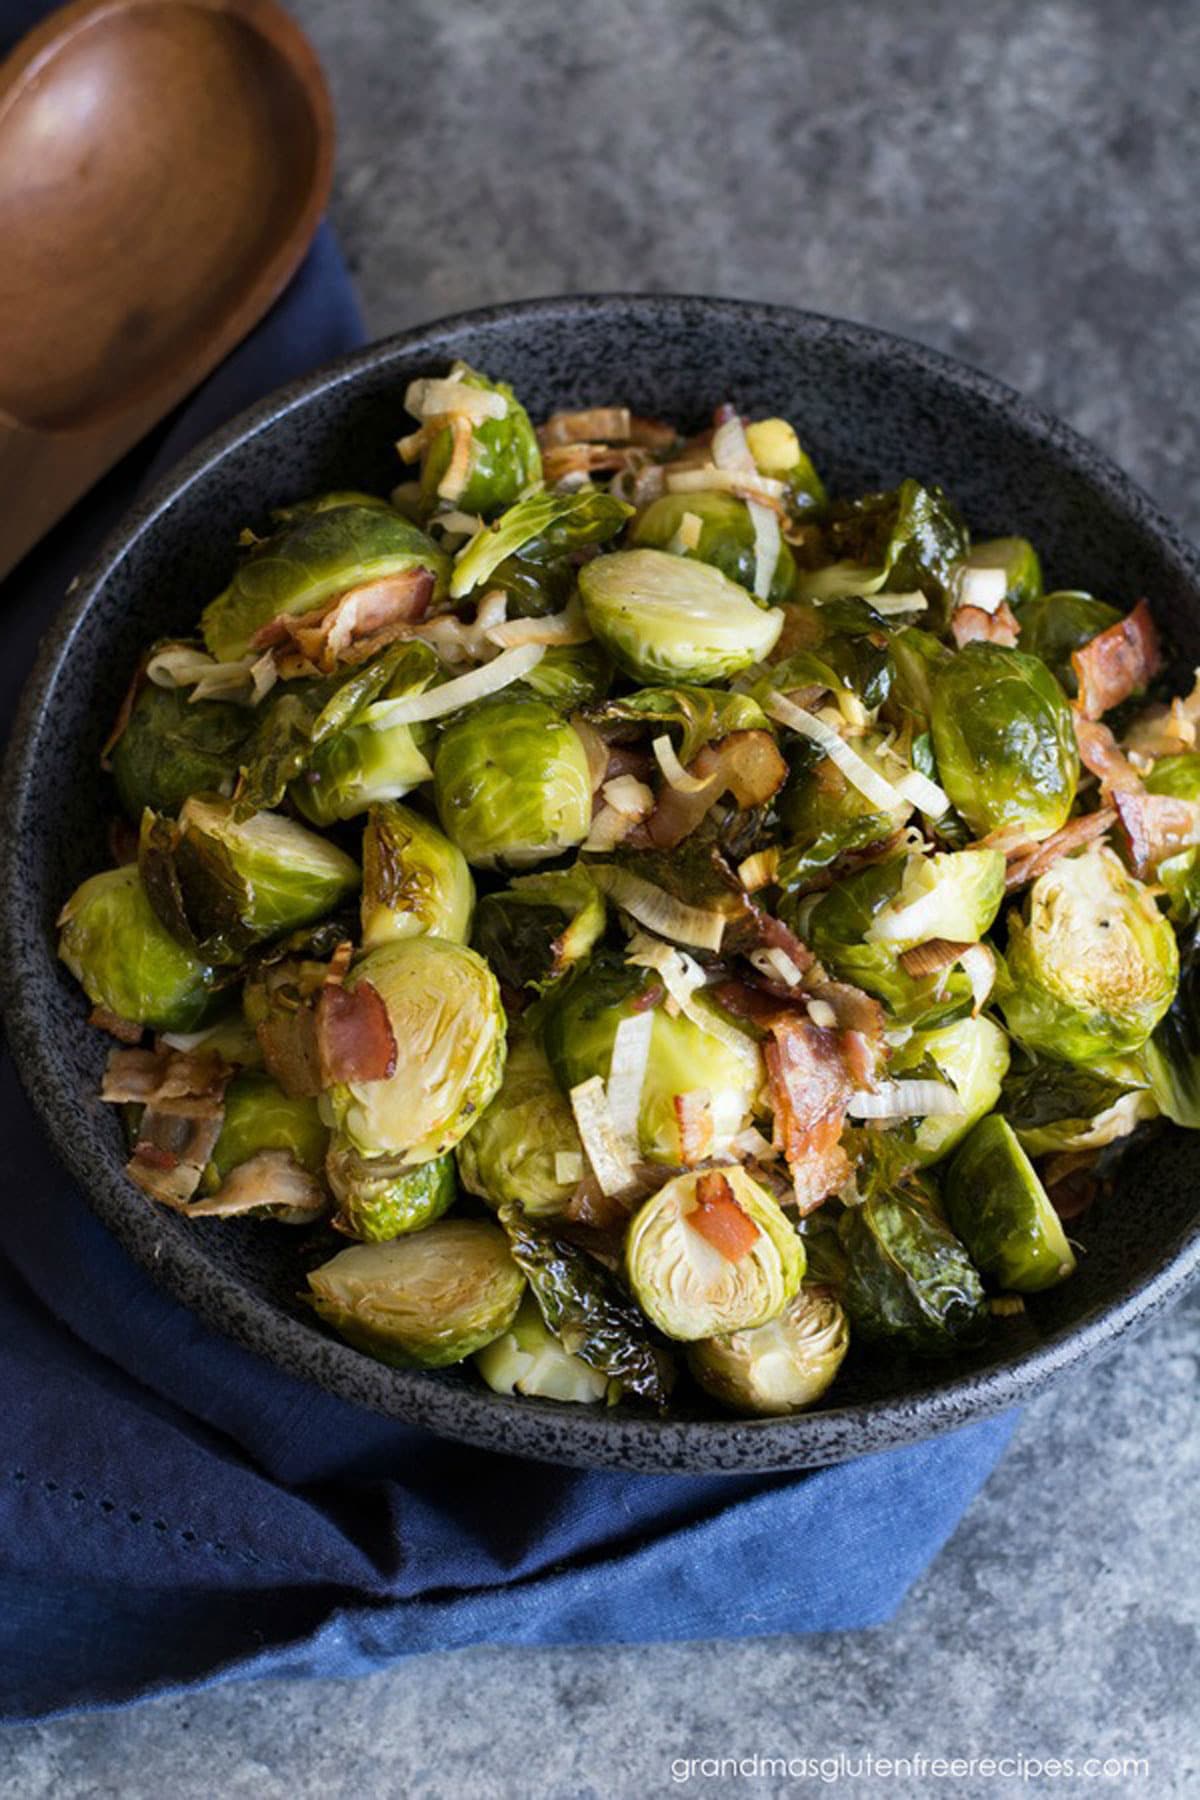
(720, 1220)
(351, 629)
(973, 624)
(562, 460)
(693, 1117)
(355, 1040)
(746, 764)
(810, 1087)
(128, 1031)
(1100, 753)
(1117, 662)
(1030, 860)
(183, 1096)
(272, 1178)
(1155, 826)
(602, 424)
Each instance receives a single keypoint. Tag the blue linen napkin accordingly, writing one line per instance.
(175, 1511)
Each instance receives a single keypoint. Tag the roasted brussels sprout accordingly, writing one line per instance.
(588, 1311)
(1092, 965)
(221, 884)
(723, 535)
(378, 1202)
(540, 928)
(127, 963)
(916, 658)
(444, 1009)
(700, 715)
(1057, 1107)
(1172, 1053)
(370, 760)
(260, 1116)
(663, 618)
(777, 453)
(570, 676)
(1008, 570)
(528, 1359)
(836, 925)
(908, 1277)
(425, 1300)
(173, 747)
(504, 458)
(780, 1367)
(512, 784)
(525, 1148)
(818, 805)
(309, 563)
(414, 880)
(972, 1055)
(539, 525)
(1000, 1209)
(1004, 741)
(712, 1253)
(1054, 626)
(907, 540)
(580, 1027)
(1179, 875)
(951, 894)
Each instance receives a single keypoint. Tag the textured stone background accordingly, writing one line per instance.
(1014, 183)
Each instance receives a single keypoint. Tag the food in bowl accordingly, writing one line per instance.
(677, 923)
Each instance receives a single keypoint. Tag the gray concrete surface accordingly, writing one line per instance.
(1012, 182)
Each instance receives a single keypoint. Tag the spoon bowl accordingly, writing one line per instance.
(163, 166)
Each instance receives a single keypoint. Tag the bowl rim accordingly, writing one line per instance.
(546, 1430)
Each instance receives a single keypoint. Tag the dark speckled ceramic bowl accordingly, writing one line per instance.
(872, 409)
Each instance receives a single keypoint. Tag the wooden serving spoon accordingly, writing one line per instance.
(163, 167)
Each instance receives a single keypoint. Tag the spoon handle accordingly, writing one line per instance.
(43, 473)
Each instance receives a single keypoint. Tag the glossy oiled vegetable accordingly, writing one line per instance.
(1001, 1211)
(1092, 965)
(780, 1367)
(444, 1009)
(512, 784)
(677, 918)
(685, 1276)
(425, 1300)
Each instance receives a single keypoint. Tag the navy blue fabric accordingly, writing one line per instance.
(174, 1511)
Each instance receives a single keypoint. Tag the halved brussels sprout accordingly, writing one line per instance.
(1012, 557)
(528, 1359)
(580, 1026)
(127, 962)
(1056, 1107)
(1054, 626)
(444, 1008)
(780, 1367)
(704, 1263)
(414, 880)
(221, 883)
(663, 618)
(819, 806)
(972, 1055)
(1092, 966)
(539, 525)
(378, 1203)
(903, 541)
(173, 747)
(908, 1277)
(952, 894)
(423, 1301)
(525, 1148)
(512, 783)
(724, 536)
(700, 715)
(836, 926)
(1001, 1211)
(588, 1311)
(1005, 745)
(540, 928)
(504, 456)
(308, 563)
(1179, 777)
(777, 453)
(260, 1116)
(1172, 1053)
